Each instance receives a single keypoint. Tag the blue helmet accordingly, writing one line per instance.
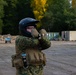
(26, 22)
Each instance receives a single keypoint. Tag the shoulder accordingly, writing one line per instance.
(20, 39)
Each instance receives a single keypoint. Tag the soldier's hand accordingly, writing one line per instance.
(34, 33)
(43, 33)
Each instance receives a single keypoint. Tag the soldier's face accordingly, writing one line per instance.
(29, 28)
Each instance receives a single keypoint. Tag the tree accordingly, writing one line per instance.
(2, 4)
(74, 3)
(39, 8)
(24, 9)
(56, 18)
(10, 17)
(14, 12)
(71, 16)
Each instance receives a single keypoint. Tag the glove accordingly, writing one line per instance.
(34, 33)
(43, 33)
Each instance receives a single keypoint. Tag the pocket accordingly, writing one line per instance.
(36, 58)
(17, 61)
(42, 58)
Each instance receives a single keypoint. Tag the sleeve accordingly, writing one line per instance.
(21, 43)
(44, 43)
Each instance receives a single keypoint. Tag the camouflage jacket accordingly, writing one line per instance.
(33, 48)
(23, 43)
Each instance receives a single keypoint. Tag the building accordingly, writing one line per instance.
(69, 35)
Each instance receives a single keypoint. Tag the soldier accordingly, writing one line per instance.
(29, 58)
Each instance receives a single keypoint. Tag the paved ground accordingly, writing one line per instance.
(61, 58)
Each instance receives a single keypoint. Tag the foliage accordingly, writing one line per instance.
(74, 3)
(39, 8)
(54, 15)
(58, 16)
(24, 9)
(14, 12)
(2, 4)
(10, 17)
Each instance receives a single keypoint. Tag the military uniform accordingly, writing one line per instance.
(35, 58)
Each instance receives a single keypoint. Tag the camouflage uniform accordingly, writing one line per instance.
(31, 44)
(35, 58)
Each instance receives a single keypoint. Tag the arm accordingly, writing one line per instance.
(44, 43)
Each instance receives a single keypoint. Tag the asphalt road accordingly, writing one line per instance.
(61, 58)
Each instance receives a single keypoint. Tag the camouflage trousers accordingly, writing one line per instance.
(31, 70)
